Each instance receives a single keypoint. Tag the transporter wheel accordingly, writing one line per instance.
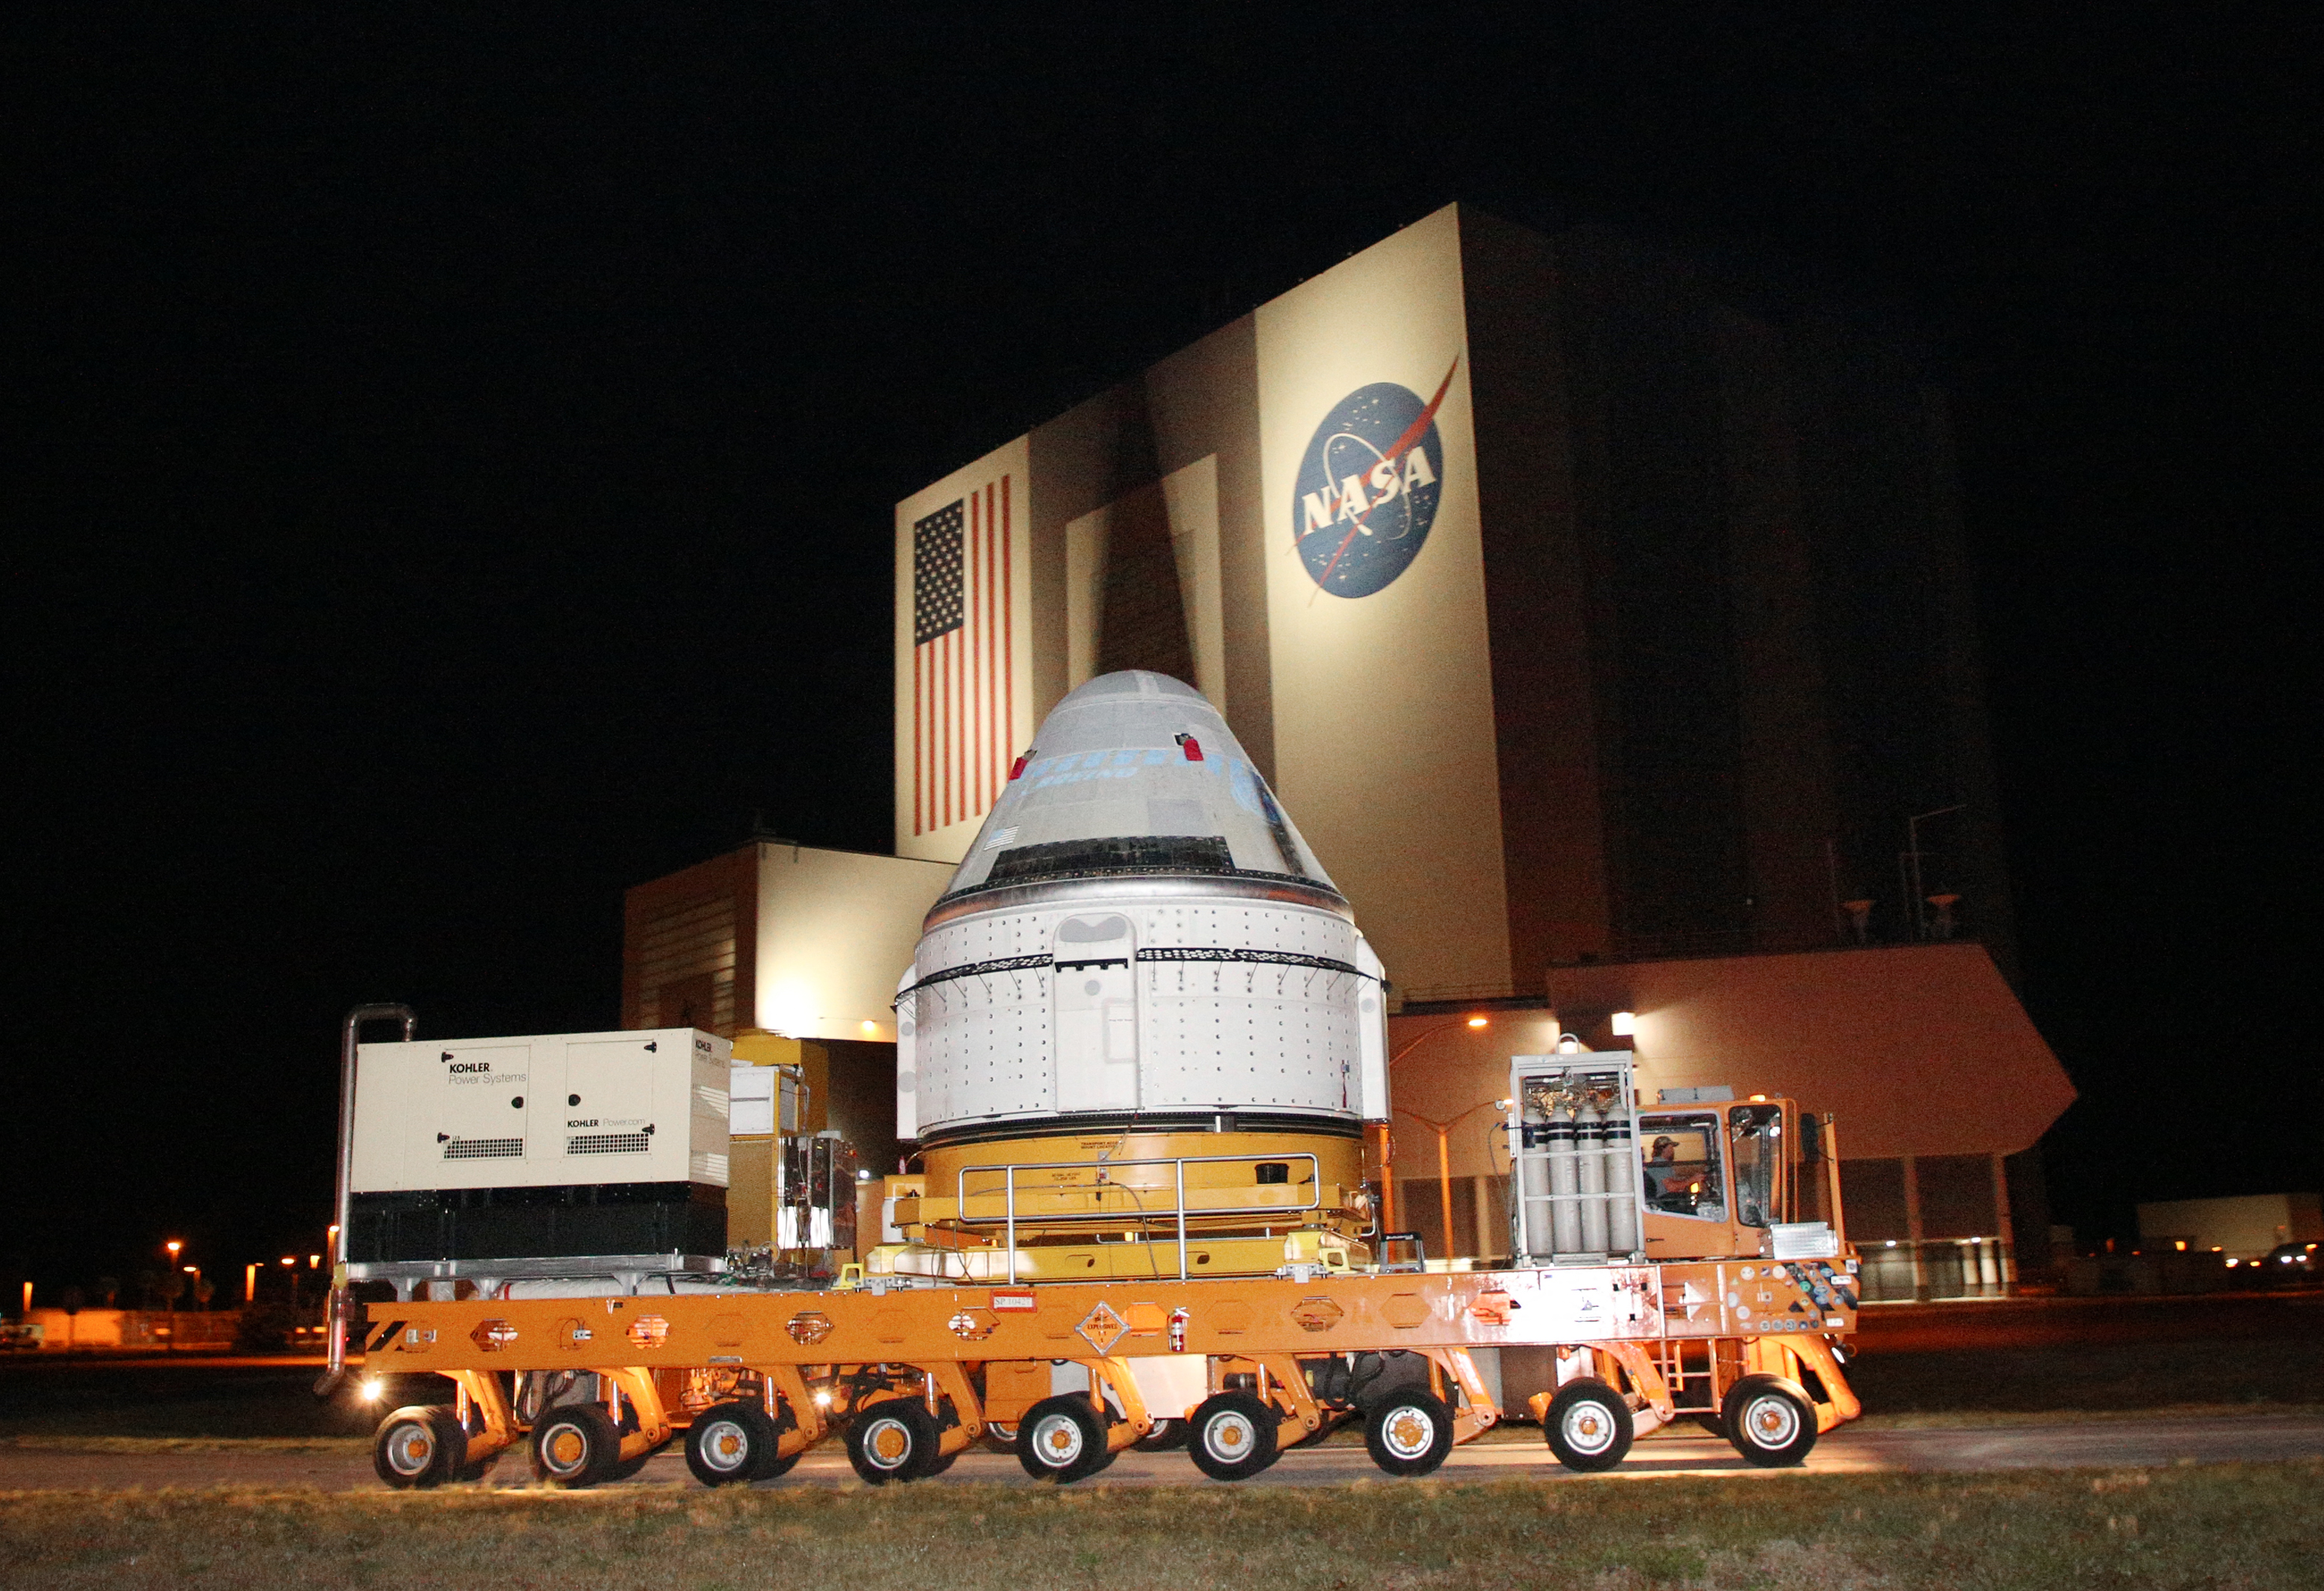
(1589, 1426)
(1771, 1425)
(416, 1447)
(893, 1440)
(729, 1442)
(1166, 1437)
(1231, 1436)
(1409, 1432)
(1000, 1435)
(575, 1446)
(1062, 1439)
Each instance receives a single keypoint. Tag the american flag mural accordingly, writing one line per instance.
(963, 656)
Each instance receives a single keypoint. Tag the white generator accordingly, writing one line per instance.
(583, 1144)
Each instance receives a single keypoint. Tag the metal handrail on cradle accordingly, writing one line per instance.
(1178, 1173)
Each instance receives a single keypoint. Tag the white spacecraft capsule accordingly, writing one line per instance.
(1140, 949)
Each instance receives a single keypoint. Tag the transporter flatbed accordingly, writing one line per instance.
(911, 1373)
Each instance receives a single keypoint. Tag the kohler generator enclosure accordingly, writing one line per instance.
(559, 1144)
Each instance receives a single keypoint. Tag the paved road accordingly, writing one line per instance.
(2129, 1442)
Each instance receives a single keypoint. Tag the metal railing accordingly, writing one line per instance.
(1178, 1203)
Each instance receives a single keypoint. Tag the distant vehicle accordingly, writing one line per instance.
(20, 1336)
(2289, 1264)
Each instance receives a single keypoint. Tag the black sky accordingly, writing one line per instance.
(450, 463)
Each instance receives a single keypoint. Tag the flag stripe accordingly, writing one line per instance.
(984, 765)
(964, 656)
(1008, 634)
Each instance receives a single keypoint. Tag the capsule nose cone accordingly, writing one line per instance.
(1134, 773)
(1132, 681)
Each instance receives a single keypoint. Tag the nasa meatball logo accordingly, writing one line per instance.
(1367, 487)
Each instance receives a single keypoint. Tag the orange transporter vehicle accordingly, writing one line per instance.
(1684, 1258)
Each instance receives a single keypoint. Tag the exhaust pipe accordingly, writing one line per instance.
(334, 1326)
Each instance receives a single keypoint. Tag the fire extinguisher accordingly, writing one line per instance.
(1179, 1330)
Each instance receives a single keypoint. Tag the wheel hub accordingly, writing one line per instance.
(1058, 1442)
(566, 1451)
(411, 1449)
(1588, 1430)
(1772, 1421)
(1231, 1437)
(727, 1447)
(1407, 1433)
(889, 1444)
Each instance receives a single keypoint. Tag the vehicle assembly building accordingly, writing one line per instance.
(1605, 620)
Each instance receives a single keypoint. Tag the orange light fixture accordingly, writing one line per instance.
(1478, 1022)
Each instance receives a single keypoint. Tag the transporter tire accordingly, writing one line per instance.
(1409, 1432)
(1062, 1439)
(418, 1448)
(575, 1445)
(1589, 1426)
(1231, 1436)
(729, 1442)
(1768, 1423)
(892, 1440)
(1166, 1437)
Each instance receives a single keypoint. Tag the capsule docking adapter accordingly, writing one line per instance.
(1143, 993)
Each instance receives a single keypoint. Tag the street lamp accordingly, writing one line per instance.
(1387, 1138)
(175, 1245)
(1444, 1130)
(1912, 860)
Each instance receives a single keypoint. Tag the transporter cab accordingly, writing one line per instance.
(1138, 1048)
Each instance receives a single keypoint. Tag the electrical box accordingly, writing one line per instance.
(765, 1100)
(555, 1143)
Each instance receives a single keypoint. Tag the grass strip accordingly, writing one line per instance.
(2227, 1527)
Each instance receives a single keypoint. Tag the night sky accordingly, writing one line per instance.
(450, 462)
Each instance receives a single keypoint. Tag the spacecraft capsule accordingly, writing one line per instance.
(1139, 947)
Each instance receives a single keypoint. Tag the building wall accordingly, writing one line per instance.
(1691, 637)
(2246, 1225)
(790, 939)
(835, 931)
(689, 947)
(1922, 1049)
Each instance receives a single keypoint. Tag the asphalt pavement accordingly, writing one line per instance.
(2115, 1443)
